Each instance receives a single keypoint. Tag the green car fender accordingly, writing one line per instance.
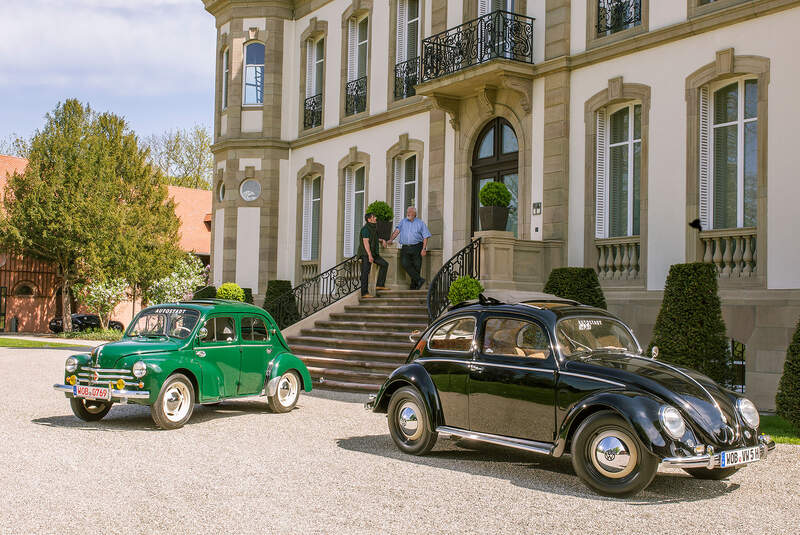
(160, 367)
(285, 362)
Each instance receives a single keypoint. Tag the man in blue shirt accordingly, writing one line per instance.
(414, 236)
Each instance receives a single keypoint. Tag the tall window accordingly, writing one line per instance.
(495, 158)
(619, 165)
(406, 186)
(254, 74)
(357, 61)
(616, 15)
(312, 189)
(487, 6)
(354, 186)
(729, 154)
(226, 72)
(407, 48)
(315, 68)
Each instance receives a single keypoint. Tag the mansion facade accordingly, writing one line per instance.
(614, 123)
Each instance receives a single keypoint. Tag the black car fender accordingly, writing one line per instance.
(639, 409)
(415, 375)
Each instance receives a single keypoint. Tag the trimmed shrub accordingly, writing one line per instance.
(787, 401)
(248, 295)
(689, 330)
(381, 210)
(578, 284)
(208, 292)
(464, 289)
(230, 290)
(495, 194)
(283, 312)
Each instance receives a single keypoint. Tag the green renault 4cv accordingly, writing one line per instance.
(175, 355)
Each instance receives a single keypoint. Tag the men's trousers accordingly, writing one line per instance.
(411, 260)
(366, 267)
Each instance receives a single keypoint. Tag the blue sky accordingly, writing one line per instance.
(151, 61)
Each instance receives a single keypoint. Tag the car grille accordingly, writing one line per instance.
(103, 376)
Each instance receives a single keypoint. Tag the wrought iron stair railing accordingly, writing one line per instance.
(496, 35)
(317, 293)
(466, 262)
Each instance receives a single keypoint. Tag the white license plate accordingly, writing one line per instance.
(91, 392)
(742, 456)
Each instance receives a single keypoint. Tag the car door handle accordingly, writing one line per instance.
(200, 354)
(476, 368)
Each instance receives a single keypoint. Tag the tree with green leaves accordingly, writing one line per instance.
(101, 297)
(184, 156)
(187, 276)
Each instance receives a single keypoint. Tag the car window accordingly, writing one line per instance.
(219, 330)
(579, 335)
(516, 338)
(254, 329)
(456, 335)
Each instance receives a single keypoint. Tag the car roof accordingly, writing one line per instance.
(214, 305)
(552, 309)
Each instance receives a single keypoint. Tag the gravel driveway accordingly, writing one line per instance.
(326, 467)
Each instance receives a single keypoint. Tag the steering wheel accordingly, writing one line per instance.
(177, 331)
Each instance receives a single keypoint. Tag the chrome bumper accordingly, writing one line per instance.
(370, 404)
(115, 394)
(713, 461)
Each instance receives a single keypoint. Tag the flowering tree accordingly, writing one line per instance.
(188, 275)
(101, 297)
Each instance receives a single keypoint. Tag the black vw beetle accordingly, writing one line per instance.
(556, 377)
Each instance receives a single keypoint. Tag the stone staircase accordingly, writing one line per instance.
(355, 350)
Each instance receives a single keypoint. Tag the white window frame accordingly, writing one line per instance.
(226, 71)
(403, 33)
(319, 61)
(400, 182)
(310, 203)
(708, 158)
(244, 78)
(350, 193)
(488, 6)
(354, 46)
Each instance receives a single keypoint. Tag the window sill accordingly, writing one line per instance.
(310, 131)
(399, 103)
(355, 117)
(695, 10)
(597, 42)
(252, 106)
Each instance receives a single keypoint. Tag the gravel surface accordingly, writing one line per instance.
(326, 467)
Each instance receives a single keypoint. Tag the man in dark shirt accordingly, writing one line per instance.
(369, 251)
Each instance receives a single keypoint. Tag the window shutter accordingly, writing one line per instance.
(348, 212)
(402, 23)
(398, 191)
(307, 207)
(600, 192)
(352, 49)
(309, 68)
(483, 7)
(704, 163)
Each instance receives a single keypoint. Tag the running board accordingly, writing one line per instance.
(509, 442)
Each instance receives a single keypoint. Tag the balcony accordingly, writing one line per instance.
(406, 75)
(733, 252)
(490, 46)
(312, 112)
(616, 15)
(618, 258)
(355, 96)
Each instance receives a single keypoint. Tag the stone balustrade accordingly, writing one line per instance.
(732, 251)
(308, 269)
(618, 258)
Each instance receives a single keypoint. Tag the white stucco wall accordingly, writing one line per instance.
(665, 70)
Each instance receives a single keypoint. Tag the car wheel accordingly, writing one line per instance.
(175, 403)
(712, 474)
(409, 424)
(287, 393)
(89, 410)
(609, 458)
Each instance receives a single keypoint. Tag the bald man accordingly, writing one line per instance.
(414, 236)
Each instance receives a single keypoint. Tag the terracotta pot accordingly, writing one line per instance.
(493, 217)
(384, 229)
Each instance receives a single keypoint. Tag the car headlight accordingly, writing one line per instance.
(749, 412)
(71, 365)
(139, 369)
(672, 422)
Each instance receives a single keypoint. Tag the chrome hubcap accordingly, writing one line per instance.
(177, 402)
(408, 420)
(287, 389)
(614, 454)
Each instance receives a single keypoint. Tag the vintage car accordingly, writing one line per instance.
(556, 377)
(173, 356)
(83, 322)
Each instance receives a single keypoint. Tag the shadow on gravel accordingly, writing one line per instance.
(137, 417)
(538, 472)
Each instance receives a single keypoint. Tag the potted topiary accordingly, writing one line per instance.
(495, 198)
(463, 289)
(230, 290)
(384, 214)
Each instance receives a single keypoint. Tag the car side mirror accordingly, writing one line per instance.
(654, 352)
(415, 335)
(202, 333)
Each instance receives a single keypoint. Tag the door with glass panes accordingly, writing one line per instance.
(496, 159)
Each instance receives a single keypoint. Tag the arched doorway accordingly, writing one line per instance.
(496, 159)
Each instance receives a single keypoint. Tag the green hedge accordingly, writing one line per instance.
(209, 292)
(578, 284)
(248, 295)
(689, 330)
(230, 290)
(284, 313)
(787, 401)
(464, 289)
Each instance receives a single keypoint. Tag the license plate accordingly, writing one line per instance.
(91, 392)
(742, 456)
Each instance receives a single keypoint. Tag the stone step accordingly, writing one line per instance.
(392, 301)
(347, 386)
(356, 334)
(344, 353)
(367, 306)
(420, 294)
(380, 317)
(370, 365)
(339, 374)
(352, 324)
(367, 343)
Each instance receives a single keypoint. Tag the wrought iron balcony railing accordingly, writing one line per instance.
(312, 116)
(496, 35)
(355, 96)
(617, 15)
(406, 76)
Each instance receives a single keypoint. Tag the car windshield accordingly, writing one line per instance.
(159, 322)
(580, 336)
